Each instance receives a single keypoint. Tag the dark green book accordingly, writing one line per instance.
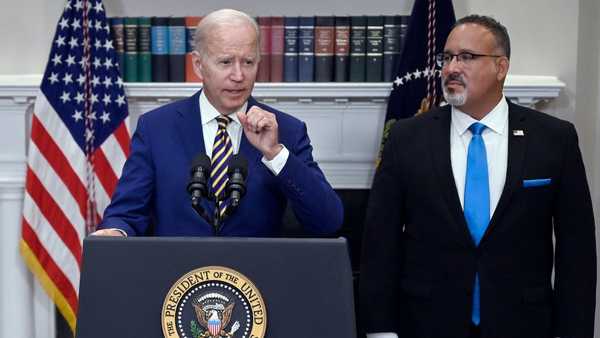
(358, 48)
(131, 50)
(144, 50)
(375, 48)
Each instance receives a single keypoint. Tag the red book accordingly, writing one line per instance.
(264, 67)
(277, 31)
(190, 26)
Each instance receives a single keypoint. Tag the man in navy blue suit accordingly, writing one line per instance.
(151, 197)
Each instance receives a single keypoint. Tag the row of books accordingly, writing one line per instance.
(293, 49)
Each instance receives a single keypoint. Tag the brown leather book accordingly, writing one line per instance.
(264, 67)
(277, 31)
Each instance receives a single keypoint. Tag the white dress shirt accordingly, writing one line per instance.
(208, 115)
(495, 138)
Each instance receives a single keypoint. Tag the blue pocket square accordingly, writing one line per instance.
(537, 182)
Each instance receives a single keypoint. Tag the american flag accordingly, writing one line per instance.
(78, 145)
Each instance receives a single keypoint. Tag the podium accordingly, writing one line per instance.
(183, 287)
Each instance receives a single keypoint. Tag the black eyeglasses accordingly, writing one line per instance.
(444, 59)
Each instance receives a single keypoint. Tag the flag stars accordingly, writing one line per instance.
(108, 45)
(60, 41)
(119, 81)
(417, 74)
(95, 81)
(68, 78)
(77, 116)
(64, 23)
(120, 100)
(81, 79)
(408, 77)
(106, 99)
(97, 44)
(98, 25)
(53, 78)
(70, 60)
(97, 62)
(426, 73)
(92, 116)
(79, 97)
(83, 62)
(98, 7)
(94, 100)
(73, 43)
(107, 28)
(78, 5)
(57, 59)
(107, 82)
(105, 117)
(76, 24)
(398, 81)
(65, 97)
(108, 63)
(68, 5)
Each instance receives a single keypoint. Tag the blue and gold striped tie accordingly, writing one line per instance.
(221, 153)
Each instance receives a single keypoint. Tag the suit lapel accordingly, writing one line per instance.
(190, 127)
(517, 145)
(440, 148)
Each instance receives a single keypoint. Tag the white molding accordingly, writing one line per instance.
(520, 87)
(344, 119)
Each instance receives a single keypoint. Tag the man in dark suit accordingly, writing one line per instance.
(219, 121)
(465, 206)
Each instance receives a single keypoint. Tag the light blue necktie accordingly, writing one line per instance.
(477, 199)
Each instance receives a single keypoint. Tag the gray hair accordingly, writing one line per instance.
(222, 18)
(496, 28)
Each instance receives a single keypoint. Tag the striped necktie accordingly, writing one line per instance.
(477, 199)
(221, 153)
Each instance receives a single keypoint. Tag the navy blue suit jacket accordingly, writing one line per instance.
(151, 196)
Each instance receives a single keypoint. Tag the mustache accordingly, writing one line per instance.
(454, 77)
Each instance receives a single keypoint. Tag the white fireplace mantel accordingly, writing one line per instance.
(344, 119)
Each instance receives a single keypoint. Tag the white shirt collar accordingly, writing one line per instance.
(496, 120)
(208, 112)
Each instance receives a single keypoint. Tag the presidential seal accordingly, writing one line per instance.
(214, 302)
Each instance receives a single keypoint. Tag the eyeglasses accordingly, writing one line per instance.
(444, 59)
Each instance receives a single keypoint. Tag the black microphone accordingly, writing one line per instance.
(236, 185)
(198, 184)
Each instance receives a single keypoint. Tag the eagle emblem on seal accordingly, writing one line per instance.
(213, 313)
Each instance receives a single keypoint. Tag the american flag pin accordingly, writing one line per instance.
(518, 132)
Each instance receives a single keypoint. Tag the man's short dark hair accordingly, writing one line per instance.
(495, 27)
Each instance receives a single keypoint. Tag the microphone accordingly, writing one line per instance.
(236, 186)
(198, 184)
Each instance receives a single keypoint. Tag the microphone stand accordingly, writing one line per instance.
(216, 221)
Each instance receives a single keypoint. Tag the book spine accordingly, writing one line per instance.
(358, 48)
(264, 67)
(177, 49)
(160, 49)
(391, 46)
(404, 22)
(324, 48)
(342, 48)
(276, 49)
(131, 49)
(118, 35)
(290, 67)
(190, 26)
(374, 48)
(144, 50)
(306, 42)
